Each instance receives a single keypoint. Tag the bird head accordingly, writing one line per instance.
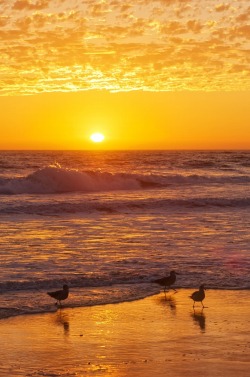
(65, 287)
(202, 287)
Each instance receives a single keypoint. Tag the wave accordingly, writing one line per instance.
(120, 206)
(78, 280)
(32, 303)
(123, 278)
(30, 297)
(54, 179)
(118, 285)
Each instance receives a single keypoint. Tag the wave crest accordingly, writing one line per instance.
(54, 179)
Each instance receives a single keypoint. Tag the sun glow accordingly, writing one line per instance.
(97, 137)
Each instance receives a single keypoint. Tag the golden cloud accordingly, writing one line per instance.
(57, 45)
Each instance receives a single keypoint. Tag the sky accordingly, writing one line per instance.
(158, 74)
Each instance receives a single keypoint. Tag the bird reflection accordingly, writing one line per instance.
(199, 319)
(168, 301)
(62, 319)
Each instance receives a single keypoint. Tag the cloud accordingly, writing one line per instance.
(222, 7)
(243, 17)
(106, 44)
(29, 5)
(194, 26)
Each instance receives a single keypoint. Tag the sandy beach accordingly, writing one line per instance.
(158, 335)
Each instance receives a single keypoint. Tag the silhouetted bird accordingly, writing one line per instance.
(60, 295)
(198, 296)
(167, 281)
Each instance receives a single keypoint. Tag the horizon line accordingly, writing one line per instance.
(127, 150)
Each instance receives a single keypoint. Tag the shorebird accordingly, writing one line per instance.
(60, 295)
(198, 296)
(167, 281)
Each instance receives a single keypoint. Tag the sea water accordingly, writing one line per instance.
(108, 223)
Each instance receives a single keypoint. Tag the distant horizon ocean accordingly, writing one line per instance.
(109, 222)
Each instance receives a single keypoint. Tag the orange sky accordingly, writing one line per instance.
(148, 74)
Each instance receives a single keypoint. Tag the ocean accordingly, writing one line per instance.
(109, 222)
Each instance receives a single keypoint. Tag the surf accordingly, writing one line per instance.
(55, 179)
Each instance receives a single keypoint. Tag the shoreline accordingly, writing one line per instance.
(158, 335)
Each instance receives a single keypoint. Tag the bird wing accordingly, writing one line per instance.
(54, 294)
(161, 280)
(194, 295)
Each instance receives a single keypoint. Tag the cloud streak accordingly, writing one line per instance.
(154, 45)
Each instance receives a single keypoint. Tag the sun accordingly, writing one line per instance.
(97, 137)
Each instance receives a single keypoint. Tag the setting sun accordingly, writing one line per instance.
(97, 137)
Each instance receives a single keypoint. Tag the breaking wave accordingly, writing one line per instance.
(54, 179)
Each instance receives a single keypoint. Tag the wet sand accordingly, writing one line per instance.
(157, 336)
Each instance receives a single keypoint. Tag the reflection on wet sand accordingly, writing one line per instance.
(62, 319)
(155, 336)
(199, 319)
(168, 301)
